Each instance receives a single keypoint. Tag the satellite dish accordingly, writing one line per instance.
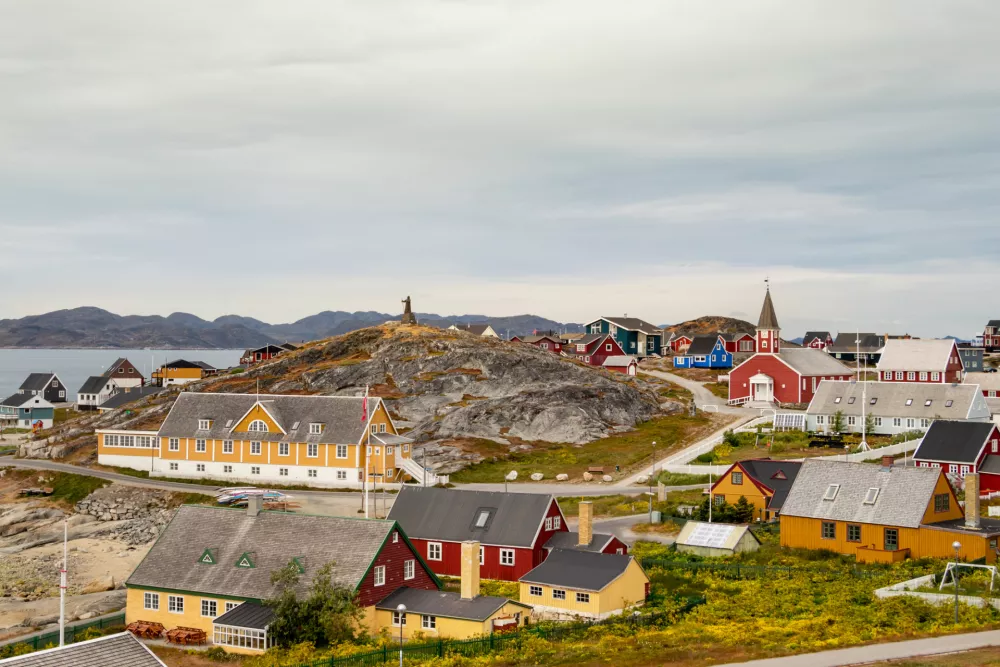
(511, 476)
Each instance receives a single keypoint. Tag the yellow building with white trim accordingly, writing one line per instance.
(584, 584)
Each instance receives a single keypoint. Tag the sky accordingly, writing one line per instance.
(567, 158)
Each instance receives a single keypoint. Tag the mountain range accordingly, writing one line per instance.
(90, 327)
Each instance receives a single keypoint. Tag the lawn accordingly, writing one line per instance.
(66, 487)
(629, 451)
(719, 389)
(784, 445)
(623, 505)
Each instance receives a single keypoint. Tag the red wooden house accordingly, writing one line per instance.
(255, 356)
(818, 340)
(594, 349)
(550, 343)
(776, 375)
(921, 360)
(740, 342)
(680, 344)
(512, 528)
(962, 448)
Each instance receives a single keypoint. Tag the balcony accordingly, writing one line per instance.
(870, 554)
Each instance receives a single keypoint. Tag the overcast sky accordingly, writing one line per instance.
(566, 158)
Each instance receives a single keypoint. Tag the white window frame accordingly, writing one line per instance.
(923, 376)
(227, 469)
(254, 470)
(312, 450)
(398, 619)
(558, 594)
(379, 575)
(341, 474)
(507, 557)
(151, 601)
(899, 375)
(227, 446)
(428, 622)
(174, 466)
(935, 376)
(312, 472)
(282, 472)
(175, 604)
(230, 605)
(434, 551)
(284, 449)
(315, 429)
(200, 446)
(583, 598)
(556, 522)
(204, 424)
(341, 451)
(548, 523)
(211, 606)
(199, 467)
(409, 569)
(535, 591)
(255, 446)
(258, 426)
(174, 444)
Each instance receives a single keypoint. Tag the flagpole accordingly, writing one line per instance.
(368, 444)
(62, 585)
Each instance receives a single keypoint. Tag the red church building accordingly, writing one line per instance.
(782, 376)
(921, 360)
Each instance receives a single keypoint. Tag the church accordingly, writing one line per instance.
(781, 375)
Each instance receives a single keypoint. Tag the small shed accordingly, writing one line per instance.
(716, 539)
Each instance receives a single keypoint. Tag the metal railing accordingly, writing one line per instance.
(73, 634)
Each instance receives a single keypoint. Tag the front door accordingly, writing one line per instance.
(891, 539)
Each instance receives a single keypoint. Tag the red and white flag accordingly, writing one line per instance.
(364, 407)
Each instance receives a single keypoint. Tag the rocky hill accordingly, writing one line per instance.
(94, 327)
(710, 324)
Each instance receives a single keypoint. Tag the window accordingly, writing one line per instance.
(852, 420)
(175, 604)
(254, 470)
(873, 401)
(949, 403)
(409, 569)
(719, 500)
(923, 376)
(853, 532)
(871, 496)
(850, 401)
(378, 451)
(535, 591)
(899, 375)
(341, 451)
(204, 424)
(819, 420)
(312, 472)
(398, 619)
(227, 469)
(283, 472)
(953, 468)
(428, 622)
(583, 598)
(548, 523)
(928, 402)
(942, 502)
(389, 451)
(174, 444)
(506, 556)
(255, 448)
(315, 429)
(151, 601)
(558, 595)
(200, 467)
(433, 551)
(556, 523)
(199, 446)
(964, 471)
(173, 466)
(878, 421)
(312, 450)
(887, 375)
(227, 446)
(607, 347)
(829, 530)
(737, 478)
(482, 556)
(910, 375)
(897, 421)
(837, 400)
(380, 575)
(209, 608)
(935, 376)
(231, 605)
(482, 519)
(341, 474)
(374, 429)
(831, 492)
(994, 444)
(891, 539)
(283, 449)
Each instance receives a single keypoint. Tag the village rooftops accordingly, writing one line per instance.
(845, 343)
(986, 381)
(954, 441)
(118, 650)
(703, 345)
(923, 354)
(126, 397)
(17, 400)
(94, 384)
(775, 475)
(567, 540)
(247, 615)
(445, 604)
(811, 362)
(339, 416)
(452, 515)
(813, 335)
(223, 551)
(114, 367)
(861, 493)
(919, 400)
(618, 361)
(478, 329)
(634, 324)
(579, 570)
(36, 382)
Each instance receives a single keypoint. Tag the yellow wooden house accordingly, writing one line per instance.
(885, 513)
(763, 482)
(180, 372)
(584, 584)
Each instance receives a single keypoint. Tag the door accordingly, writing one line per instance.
(891, 539)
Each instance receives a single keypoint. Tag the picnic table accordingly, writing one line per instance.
(146, 629)
(186, 636)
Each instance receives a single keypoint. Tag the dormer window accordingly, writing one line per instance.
(928, 402)
(204, 424)
(482, 519)
(949, 403)
(873, 401)
(909, 402)
(871, 496)
(315, 429)
(229, 423)
(850, 401)
(258, 426)
(837, 400)
(831, 492)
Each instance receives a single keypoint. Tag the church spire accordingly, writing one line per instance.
(768, 319)
(768, 339)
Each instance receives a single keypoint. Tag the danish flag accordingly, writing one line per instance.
(364, 407)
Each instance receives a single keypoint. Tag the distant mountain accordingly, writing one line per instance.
(710, 324)
(93, 327)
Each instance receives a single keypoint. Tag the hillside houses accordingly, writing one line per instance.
(266, 353)
(972, 358)
(27, 411)
(920, 360)
(636, 337)
(991, 336)
(125, 374)
(706, 352)
(550, 343)
(477, 329)
(763, 482)
(95, 391)
(46, 385)
(961, 448)
(181, 372)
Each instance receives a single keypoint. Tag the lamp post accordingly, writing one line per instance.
(956, 545)
(401, 611)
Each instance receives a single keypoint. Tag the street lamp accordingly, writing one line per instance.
(401, 612)
(654, 467)
(956, 545)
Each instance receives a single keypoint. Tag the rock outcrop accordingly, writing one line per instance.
(139, 513)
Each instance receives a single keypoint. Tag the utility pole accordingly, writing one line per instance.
(62, 584)
(864, 392)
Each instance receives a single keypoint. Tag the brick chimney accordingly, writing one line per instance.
(254, 504)
(470, 570)
(972, 501)
(887, 461)
(586, 526)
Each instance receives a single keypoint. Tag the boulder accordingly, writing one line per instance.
(537, 477)
(100, 585)
(642, 479)
(608, 478)
(587, 477)
(562, 477)
(511, 476)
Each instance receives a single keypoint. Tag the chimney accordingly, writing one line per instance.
(586, 527)
(972, 501)
(470, 570)
(887, 461)
(254, 504)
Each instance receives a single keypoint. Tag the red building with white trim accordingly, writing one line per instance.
(921, 360)
(962, 448)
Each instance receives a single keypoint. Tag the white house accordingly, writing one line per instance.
(481, 329)
(95, 391)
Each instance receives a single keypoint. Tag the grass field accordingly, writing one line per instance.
(622, 505)
(980, 658)
(626, 450)
(66, 487)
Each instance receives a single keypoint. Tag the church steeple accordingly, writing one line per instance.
(768, 330)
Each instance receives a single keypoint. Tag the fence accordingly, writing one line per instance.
(496, 642)
(72, 634)
(743, 571)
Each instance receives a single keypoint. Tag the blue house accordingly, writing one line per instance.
(706, 352)
(27, 411)
(636, 337)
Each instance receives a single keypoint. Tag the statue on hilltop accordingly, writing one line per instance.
(408, 317)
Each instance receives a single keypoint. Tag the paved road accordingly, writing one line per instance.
(702, 397)
(881, 652)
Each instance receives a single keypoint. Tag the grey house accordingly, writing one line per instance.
(46, 385)
(972, 358)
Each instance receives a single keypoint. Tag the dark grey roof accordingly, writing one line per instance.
(390, 439)
(340, 414)
(444, 603)
(184, 363)
(271, 539)
(94, 384)
(703, 345)
(567, 540)
(987, 527)
(813, 335)
(113, 367)
(993, 323)
(990, 464)
(247, 615)
(845, 342)
(776, 475)
(126, 397)
(578, 570)
(37, 381)
(450, 515)
(634, 324)
(16, 400)
(768, 319)
(291, 347)
(477, 329)
(202, 365)
(954, 441)
(120, 650)
(903, 497)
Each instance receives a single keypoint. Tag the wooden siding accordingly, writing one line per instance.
(954, 511)
(447, 628)
(751, 489)
(627, 590)
(392, 556)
